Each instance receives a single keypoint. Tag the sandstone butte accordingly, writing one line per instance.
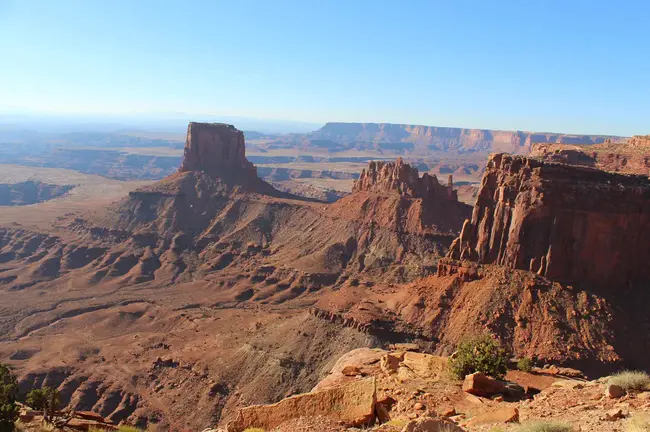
(215, 147)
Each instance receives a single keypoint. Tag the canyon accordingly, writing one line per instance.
(211, 290)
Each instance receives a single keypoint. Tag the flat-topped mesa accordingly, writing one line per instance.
(215, 147)
(569, 223)
(400, 177)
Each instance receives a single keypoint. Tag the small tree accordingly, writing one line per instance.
(8, 392)
(46, 399)
(479, 354)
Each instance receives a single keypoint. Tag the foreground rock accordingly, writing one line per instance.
(352, 404)
(479, 384)
(498, 415)
(429, 424)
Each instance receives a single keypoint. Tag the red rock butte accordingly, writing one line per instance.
(568, 223)
(387, 177)
(213, 147)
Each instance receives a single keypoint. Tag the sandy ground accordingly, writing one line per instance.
(90, 191)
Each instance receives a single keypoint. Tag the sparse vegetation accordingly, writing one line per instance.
(525, 364)
(8, 392)
(127, 428)
(254, 430)
(639, 423)
(46, 399)
(631, 380)
(544, 426)
(398, 424)
(479, 354)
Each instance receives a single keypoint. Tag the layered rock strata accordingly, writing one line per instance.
(387, 177)
(215, 146)
(564, 222)
(631, 157)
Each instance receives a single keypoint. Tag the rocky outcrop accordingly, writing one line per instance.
(387, 177)
(567, 223)
(215, 146)
(631, 157)
(351, 404)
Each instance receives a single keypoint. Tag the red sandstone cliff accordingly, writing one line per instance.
(400, 177)
(564, 222)
(395, 196)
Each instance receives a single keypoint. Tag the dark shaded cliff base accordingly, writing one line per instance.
(30, 192)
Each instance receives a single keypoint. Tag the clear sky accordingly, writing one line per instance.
(563, 66)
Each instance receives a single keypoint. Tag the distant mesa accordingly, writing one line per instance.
(214, 147)
(401, 177)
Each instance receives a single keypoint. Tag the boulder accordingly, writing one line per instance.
(430, 424)
(614, 414)
(351, 404)
(391, 361)
(425, 365)
(613, 391)
(351, 370)
(499, 415)
(481, 385)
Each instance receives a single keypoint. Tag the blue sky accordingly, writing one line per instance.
(565, 66)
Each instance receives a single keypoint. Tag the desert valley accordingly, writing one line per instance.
(186, 283)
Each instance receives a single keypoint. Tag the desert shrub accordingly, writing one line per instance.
(525, 364)
(8, 393)
(254, 430)
(639, 423)
(479, 354)
(544, 426)
(46, 399)
(631, 380)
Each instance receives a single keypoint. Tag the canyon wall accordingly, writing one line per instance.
(568, 223)
(416, 138)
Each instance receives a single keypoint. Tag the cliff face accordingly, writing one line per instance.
(416, 138)
(387, 177)
(215, 146)
(567, 223)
